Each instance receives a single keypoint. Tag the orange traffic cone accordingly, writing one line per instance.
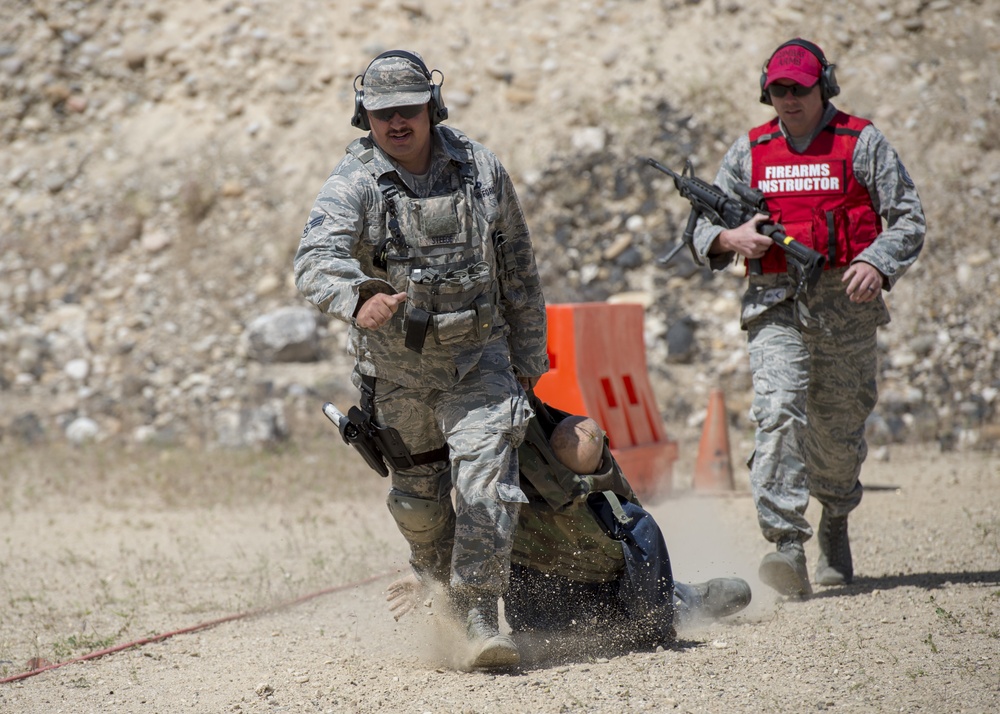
(713, 469)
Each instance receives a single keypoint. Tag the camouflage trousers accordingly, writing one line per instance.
(814, 369)
(465, 541)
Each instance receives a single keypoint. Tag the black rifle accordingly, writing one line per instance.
(712, 202)
(357, 430)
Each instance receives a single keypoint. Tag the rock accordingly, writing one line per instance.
(112, 260)
(77, 369)
(621, 242)
(82, 430)
(154, 240)
(135, 58)
(681, 341)
(590, 139)
(252, 426)
(27, 428)
(285, 335)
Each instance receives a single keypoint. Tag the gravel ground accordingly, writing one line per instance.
(101, 549)
(158, 165)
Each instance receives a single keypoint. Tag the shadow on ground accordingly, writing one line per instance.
(927, 581)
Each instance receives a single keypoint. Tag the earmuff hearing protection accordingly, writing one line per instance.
(828, 86)
(439, 112)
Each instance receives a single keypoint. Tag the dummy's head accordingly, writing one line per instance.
(578, 443)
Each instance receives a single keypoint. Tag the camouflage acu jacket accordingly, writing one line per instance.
(877, 167)
(461, 251)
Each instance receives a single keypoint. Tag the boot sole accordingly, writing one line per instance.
(726, 597)
(780, 576)
(497, 653)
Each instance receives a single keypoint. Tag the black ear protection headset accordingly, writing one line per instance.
(439, 112)
(828, 86)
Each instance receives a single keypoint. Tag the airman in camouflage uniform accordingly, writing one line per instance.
(418, 241)
(837, 185)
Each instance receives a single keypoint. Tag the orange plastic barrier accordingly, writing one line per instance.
(597, 368)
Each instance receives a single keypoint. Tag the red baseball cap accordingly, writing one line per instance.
(795, 63)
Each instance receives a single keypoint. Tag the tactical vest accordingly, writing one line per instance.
(815, 194)
(436, 251)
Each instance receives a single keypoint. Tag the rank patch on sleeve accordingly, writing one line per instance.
(313, 223)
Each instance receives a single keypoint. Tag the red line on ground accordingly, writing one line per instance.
(196, 628)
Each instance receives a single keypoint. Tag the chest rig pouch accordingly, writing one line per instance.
(436, 255)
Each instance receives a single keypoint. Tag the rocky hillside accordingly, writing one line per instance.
(159, 161)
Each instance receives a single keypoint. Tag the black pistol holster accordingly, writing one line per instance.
(381, 447)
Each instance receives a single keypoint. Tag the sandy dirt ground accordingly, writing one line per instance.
(257, 582)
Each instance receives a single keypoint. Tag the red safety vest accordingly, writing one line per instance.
(815, 194)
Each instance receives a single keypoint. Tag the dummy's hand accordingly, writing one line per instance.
(744, 239)
(404, 595)
(378, 310)
(864, 282)
(528, 383)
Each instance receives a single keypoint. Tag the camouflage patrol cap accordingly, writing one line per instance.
(395, 82)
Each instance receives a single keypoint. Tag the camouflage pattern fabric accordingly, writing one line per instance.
(814, 360)
(877, 166)
(335, 263)
(461, 387)
(482, 419)
(395, 82)
(568, 543)
(814, 387)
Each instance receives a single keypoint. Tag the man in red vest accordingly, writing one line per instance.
(835, 184)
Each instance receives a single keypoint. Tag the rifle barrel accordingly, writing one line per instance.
(657, 165)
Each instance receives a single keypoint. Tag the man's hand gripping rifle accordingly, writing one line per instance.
(805, 264)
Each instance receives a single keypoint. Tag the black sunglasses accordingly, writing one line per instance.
(407, 112)
(797, 90)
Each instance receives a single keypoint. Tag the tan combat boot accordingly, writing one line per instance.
(491, 648)
(785, 570)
